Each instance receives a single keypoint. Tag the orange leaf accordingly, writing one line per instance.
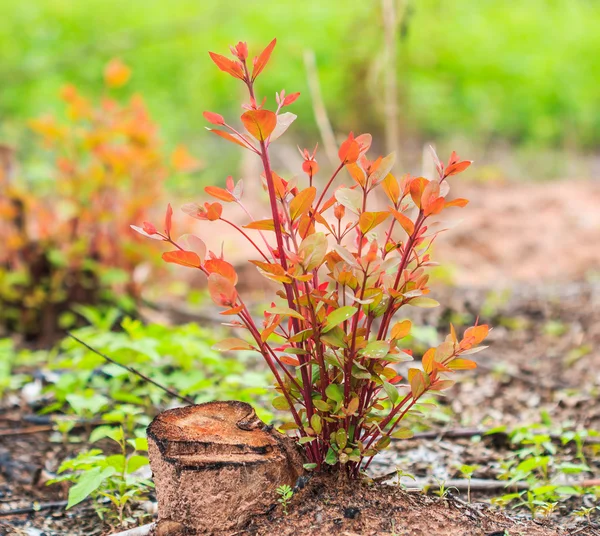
(213, 211)
(183, 161)
(228, 137)
(302, 202)
(401, 329)
(462, 364)
(370, 220)
(220, 193)
(227, 65)
(261, 225)
(184, 258)
(417, 186)
(473, 336)
(404, 221)
(233, 311)
(288, 360)
(259, 123)
(417, 381)
(357, 174)
(391, 188)
(460, 202)
(116, 73)
(261, 61)
(223, 268)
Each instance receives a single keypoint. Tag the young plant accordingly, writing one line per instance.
(344, 270)
(285, 496)
(111, 479)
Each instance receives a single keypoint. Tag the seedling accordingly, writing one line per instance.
(467, 472)
(285, 496)
(344, 267)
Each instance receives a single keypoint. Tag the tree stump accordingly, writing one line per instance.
(216, 465)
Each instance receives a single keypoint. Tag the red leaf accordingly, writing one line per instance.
(290, 99)
(221, 290)
(214, 118)
(219, 193)
(168, 218)
(259, 123)
(184, 258)
(261, 61)
(349, 150)
(457, 168)
(227, 65)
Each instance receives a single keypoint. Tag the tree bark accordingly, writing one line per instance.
(215, 466)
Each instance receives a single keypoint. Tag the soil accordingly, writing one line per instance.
(528, 270)
(328, 506)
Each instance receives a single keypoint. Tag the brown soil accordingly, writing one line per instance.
(328, 507)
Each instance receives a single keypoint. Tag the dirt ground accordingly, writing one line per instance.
(526, 258)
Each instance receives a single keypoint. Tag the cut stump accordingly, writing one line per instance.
(215, 466)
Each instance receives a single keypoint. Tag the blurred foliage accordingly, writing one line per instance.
(73, 245)
(480, 70)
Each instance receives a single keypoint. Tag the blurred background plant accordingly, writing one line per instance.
(71, 244)
(487, 79)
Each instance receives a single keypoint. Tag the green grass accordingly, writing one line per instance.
(484, 70)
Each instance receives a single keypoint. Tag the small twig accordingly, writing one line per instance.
(33, 508)
(7, 432)
(144, 530)
(133, 371)
(323, 123)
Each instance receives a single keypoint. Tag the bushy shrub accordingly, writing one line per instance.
(72, 246)
(345, 270)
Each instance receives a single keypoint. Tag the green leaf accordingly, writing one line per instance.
(338, 316)
(403, 433)
(306, 439)
(316, 424)
(385, 166)
(391, 391)
(88, 483)
(310, 466)
(281, 403)
(312, 251)
(335, 392)
(341, 438)
(426, 303)
(321, 405)
(376, 350)
(351, 199)
(331, 457)
(135, 462)
(335, 338)
(285, 311)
